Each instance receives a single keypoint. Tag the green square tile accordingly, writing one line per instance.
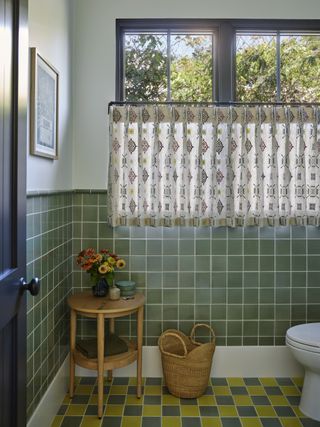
(154, 280)
(313, 246)
(219, 233)
(235, 247)
(170, 263)
(251, 247)
(218, 296)
(298, 232)
(235, 263)
(89, 213)
(203, 280)
(154, 247)
(266, 311)
(251, 232)
(234, 296)
(218, 263)
(154, 263)
(187, 263)
(170, 280)
(170, 296)
(251, 296)
(267, 247)
(282, 232)
(313, 263)
(202, 313)
(250, 328)
(218, 312)
(138, 247)
(202, 296)
(186, 296)
(282, 247)
(186, 312)
(234, 312)
(186, 247)
(250, 279)
(283, 279)
(250, 311)
(89, 230)
(282, 312)
(235, 280)
(235, 233)
(266, 296)
(170, 312)
(219, 280)
(298, 247)
(138, 263)
(202, 247)
(154, 296)
(313, 295)
(122, 247)
(202, 263)
(186, 280)
(170, 247)
(234, 328)
(267, 263)
(251, 263)
(266, 328)
(219, 247)
(298, 296)
(283, 263)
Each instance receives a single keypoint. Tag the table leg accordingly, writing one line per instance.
(73, 331)
(111, 329)
(100, 327)
(139, 349)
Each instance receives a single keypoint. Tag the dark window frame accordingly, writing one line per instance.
(224, 85)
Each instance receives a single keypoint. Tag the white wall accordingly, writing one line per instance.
(95, 61)
(50, 30)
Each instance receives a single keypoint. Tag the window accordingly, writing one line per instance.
(168, 66)
(206, 60)
(277, 66)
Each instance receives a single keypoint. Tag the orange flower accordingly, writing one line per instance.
(90, 252)
(86, 266)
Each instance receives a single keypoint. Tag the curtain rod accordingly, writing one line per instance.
(293, 104)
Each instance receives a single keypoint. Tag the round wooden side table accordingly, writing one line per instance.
(87, 305)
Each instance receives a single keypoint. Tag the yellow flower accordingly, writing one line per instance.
(111, 260)
(103, 269)
(121, 263)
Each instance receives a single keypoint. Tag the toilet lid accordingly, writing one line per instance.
(308, 334)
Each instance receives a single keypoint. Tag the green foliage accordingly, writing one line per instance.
(192, 67)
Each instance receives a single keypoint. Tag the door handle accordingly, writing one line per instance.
(33, 286)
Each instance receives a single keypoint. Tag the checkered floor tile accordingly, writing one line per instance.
(228, 402)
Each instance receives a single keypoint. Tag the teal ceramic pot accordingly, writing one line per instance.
(127, 287)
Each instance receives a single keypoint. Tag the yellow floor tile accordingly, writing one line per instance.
(66, 400)
(256, 390)
(171, 422)
(118, 389)
(298, 381)
(236, 382)
(221, 390)
(84, 389)
(76, 409)
(114, 410)
(189, 411)
(211, 422)
(290, 422)
(243, 400)
(133, 381)
(268, 381)
(297, 411)
(278, 401)
(93, 399)
(152, 390)
(168, 399)
(91, 422)
(134, 400)
(131, 422)
(152, 411)
(265, 411)
(290, 391)
(207, 401)
(228, 411)
(250, 422)
(57, 421)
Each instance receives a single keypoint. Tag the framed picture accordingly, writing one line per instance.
(44, 107)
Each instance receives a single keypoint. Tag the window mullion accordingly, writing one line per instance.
(168, 65)
(278, 65)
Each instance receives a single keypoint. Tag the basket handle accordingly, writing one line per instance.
(172, 334)
(198, 325)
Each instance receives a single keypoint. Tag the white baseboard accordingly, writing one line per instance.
(52, 399)
(245, 361)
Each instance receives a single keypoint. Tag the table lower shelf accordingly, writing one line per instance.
(110, 362)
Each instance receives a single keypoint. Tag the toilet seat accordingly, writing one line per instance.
(305, 337)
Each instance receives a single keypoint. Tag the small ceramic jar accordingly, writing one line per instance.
(114, 293)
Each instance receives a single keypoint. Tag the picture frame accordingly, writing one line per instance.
(44, 107)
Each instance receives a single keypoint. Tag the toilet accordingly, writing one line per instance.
(304, 343)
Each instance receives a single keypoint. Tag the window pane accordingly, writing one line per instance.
(145, 67)
(256, 58)
(300, 68)
(191, 67)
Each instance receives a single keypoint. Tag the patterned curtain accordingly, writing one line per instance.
(212, 166)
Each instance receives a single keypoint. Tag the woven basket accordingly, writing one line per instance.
(186, 363)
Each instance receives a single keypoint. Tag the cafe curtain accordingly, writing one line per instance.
(173, 165)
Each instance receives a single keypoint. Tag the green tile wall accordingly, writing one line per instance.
(49, 249)
(250, 284)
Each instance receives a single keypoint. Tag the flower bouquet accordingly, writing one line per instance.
(101, 266)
